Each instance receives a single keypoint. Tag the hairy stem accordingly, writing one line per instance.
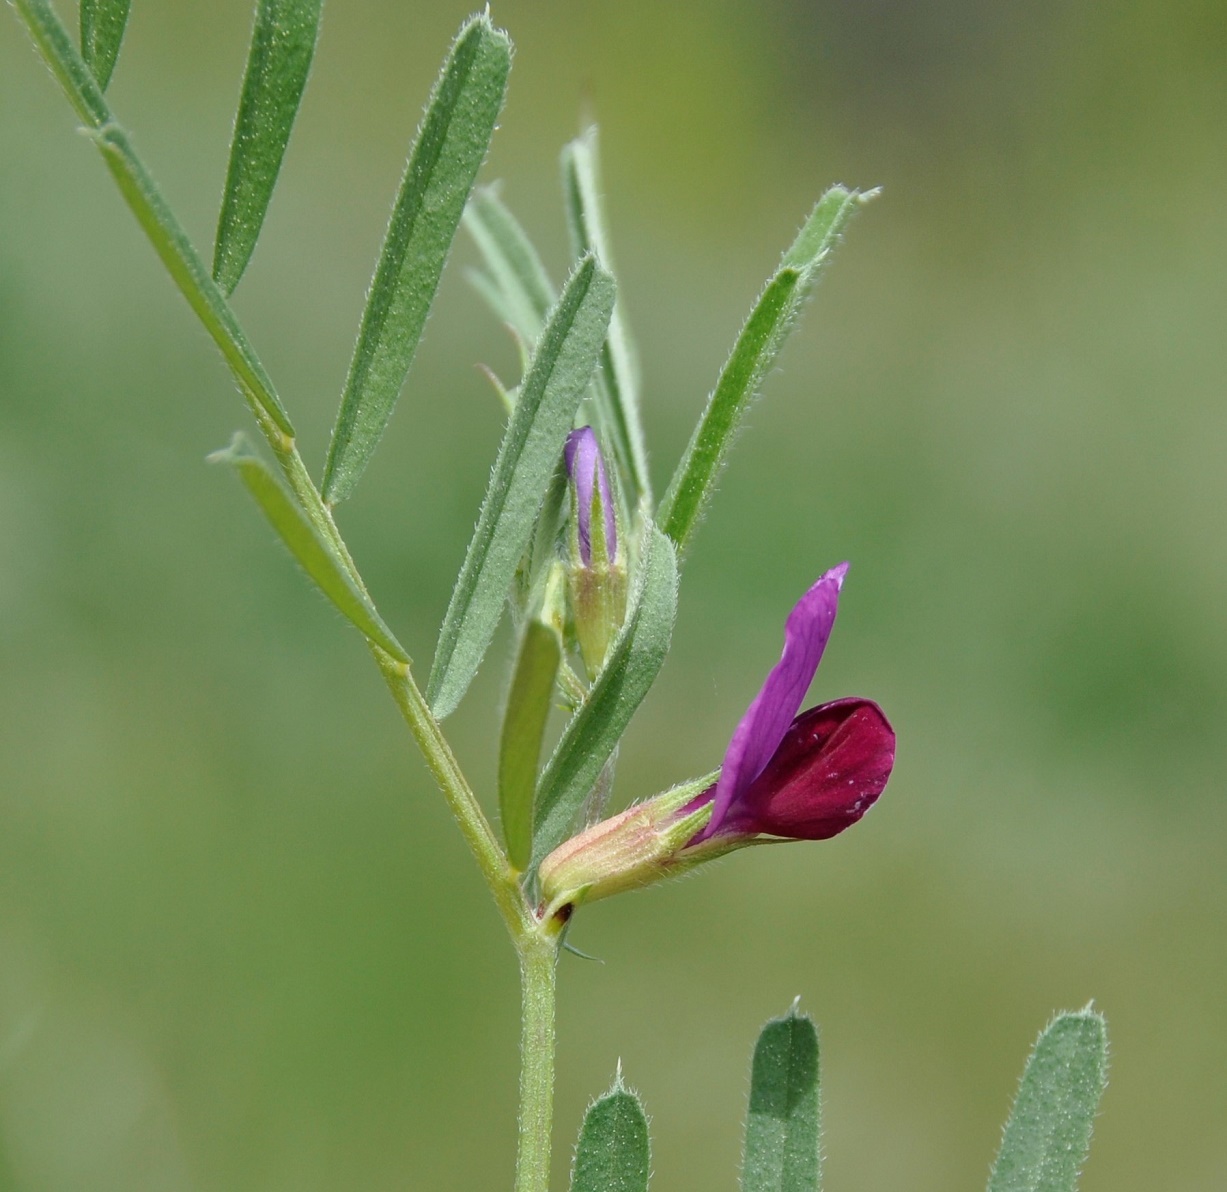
(538, 957)
(535, 945)
(194, 281)
(496, 869)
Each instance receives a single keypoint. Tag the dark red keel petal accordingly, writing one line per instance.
(830, 768)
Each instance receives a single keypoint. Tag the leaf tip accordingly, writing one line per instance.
(481, 24)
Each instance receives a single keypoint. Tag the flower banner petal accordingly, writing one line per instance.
(768, 717)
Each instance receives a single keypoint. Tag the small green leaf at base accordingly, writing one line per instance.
(313, 554)
(282, 46)
(450, 147)
(528, 712)
(1049, 1132)
(782, 1129)
(544, 412)
(614, 1152)
(634, 661)
(102, 32)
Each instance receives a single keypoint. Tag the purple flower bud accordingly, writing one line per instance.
(596, 577)
(586, 467)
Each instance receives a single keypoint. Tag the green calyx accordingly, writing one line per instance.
(635, 848)
(597, 588)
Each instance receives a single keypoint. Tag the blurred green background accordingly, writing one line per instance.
(241, 945)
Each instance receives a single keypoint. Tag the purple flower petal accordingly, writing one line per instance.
(585, 465)
(830, 768)
(769, 716)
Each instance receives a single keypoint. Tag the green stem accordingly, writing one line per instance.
(496, 869)
(538, 959)
(196, 284)
(535, 945)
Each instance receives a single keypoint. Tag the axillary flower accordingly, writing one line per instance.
(784, 777)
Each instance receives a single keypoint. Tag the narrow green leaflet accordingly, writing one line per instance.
(102, 32)
(450, 147)
(155, 217)
(634, 661)
(188, 271)
(613, 1153)
(515, 282)
(314, 555)
(753, 356)
(282, 45)
(528, 711)
(1049, 1132)
(561, 368)
(782, 1129)
(618, 380)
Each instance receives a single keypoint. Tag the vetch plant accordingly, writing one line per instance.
(572, 546)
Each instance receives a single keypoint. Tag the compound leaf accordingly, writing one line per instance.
(313, 554)
(515, 282)
(753, 355)
(528, 712)
(102, 32)
(618, 379)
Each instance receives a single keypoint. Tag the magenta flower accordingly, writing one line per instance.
(807, 776)
(586, 468)
(785, 776)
